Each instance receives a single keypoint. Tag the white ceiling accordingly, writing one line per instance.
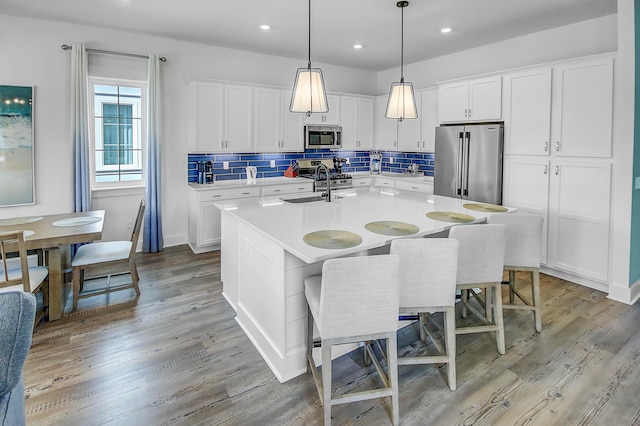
(336, 24)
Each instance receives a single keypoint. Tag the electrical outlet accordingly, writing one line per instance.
(225, 165)
(130, 224)
(272, 163)
(390, 160)
(348, 162)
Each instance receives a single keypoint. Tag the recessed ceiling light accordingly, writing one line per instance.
(357, 46)
(445, 30)
(265, 27)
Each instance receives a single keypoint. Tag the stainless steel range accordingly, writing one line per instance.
(307, 169)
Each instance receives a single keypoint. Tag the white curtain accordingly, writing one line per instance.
(80, 129)
(152, 241)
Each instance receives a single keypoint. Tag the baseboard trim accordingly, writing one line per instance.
(627, 295)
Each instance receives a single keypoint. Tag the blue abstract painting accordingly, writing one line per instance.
(16, 146)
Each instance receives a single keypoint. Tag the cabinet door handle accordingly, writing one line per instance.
(546, 146)
(469, 112)
(558, 146)
(418, 144)
(557, 170)
(546, 169)
(465, 113)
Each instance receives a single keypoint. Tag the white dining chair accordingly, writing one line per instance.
(523, 248)
(29, 279)
(428, 270)
(480, 266)
(354, 300)
(107, 254)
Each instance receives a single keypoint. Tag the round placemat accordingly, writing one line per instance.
(330, 239)
(391, 227)
(481, 207)
(20, 220)
(77, 221)
(450, 217)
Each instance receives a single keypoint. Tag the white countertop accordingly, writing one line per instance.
(287, 223)
(240, 183)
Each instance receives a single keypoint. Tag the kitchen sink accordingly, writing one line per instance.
(305, 199)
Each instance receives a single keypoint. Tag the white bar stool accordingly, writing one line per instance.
(480, 265)
(428, 270)
(523, 246)
(354, 300)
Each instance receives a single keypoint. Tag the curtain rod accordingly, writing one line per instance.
(111, 52)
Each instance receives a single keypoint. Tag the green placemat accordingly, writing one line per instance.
(481, 207)
(390, 227)
(450, 217)
(331, 239)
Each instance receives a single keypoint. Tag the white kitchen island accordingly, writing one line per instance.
(265, 260)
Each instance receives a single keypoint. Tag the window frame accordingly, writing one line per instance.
(142, 85)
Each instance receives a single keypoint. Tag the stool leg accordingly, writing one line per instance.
(512, 284)
(392, 368)
(326, 382)
(535, 282)
(499, 321)
(309, 340)
(450, 344)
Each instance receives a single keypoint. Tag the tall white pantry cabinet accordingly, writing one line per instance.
(557, 163)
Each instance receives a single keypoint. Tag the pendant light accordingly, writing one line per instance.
(402, 103)
(309, 95)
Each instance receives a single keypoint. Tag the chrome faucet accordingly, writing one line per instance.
(326, 171)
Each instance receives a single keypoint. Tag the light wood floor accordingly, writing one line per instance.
(175, 356)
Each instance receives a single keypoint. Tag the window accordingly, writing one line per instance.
(118, 118)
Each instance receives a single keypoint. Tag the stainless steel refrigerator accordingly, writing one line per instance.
(468, 162)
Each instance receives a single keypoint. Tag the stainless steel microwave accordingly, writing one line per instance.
(322, 137)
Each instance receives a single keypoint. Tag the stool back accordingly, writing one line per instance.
(428, 270)
(359, 296)
(523, 238)
(481, 252)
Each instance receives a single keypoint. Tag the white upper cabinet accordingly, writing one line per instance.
(276, 129)
(583, 109)
(238, 118)
(386, 130)
(357, 122)
(418, 135)
(207, 117)
(471, 100)
(330, 117)
(527, 112)
(222, 117)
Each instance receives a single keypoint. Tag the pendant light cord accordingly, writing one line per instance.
(309, 49)
(402, 42)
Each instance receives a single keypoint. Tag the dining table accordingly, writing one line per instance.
(55, 234)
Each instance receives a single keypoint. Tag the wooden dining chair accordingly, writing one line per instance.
(107, 254)
(16, 274)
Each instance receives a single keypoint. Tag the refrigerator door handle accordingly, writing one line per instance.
(460, 165)
(465, 182)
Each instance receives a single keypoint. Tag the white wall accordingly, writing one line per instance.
(34, 57)
(584, 38)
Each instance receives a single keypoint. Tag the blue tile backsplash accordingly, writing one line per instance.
(359, 162)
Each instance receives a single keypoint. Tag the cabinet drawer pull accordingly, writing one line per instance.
(414, 187)
(246, 193)
(215, 196)
(276, 190)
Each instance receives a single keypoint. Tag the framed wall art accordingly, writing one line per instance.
(16, 146)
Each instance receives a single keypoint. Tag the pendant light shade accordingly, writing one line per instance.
(309, 95)
(402, 102)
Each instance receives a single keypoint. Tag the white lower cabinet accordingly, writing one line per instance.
(362, 181)
(574, 198)
(204, 217)
(288, 188)
(579, 205)
(384, 181)
(408, 185)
